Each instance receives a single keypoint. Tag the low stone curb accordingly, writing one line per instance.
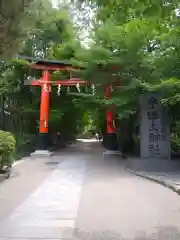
(169, 184)
(4, 176)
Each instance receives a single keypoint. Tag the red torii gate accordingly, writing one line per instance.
(44, 82)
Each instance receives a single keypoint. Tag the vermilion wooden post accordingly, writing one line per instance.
(44, 111)
(44, 107)
(109, 113)
(111, 139)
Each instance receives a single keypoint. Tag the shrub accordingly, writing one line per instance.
(7, 148)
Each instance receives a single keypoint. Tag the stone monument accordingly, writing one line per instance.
(154, 128)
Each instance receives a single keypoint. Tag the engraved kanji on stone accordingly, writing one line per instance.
(157, 150)
(152, 115)
(152, 102)
(154, 150)
(151, 150)
(154, 137)
(153, 127)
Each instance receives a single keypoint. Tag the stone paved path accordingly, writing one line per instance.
(50, 209)
(79, 195)
(26, 176)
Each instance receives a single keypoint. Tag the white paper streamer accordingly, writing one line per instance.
(45, 123)
(93, 89)
(59, 90)
(68, 89)
(47, 88)
(78, 87)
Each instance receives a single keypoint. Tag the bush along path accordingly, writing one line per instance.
(7, 149)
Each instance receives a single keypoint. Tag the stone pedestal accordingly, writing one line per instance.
(154, 128)
(42, 141)
(41, 153)
(111, 142)
(111, 145)
(109, 153)
(42, 146)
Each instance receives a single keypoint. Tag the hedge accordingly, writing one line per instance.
(7, 149)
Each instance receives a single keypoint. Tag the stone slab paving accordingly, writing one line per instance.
(116, 205)
(50, 211)
(26, 176)
(86, 197)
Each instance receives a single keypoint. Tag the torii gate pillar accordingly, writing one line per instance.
(111, 143)
(42, 143)
(111, 138)
(44, 113)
